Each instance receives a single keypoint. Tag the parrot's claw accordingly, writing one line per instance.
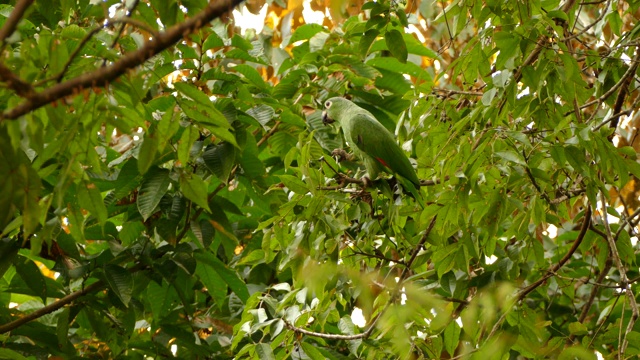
(341, 154)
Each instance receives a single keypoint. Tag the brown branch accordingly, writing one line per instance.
(12, 21)
(15, 83)
(457, 92)
(269, 134)
(51, 307)
(104, 75)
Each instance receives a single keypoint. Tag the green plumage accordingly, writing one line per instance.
(370, 140)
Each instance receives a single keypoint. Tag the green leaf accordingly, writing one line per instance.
(194, 93)
(32, 276)
(294, 184)
(10, 354)
(263, 113)
(214, 283)
(90, 199)
(312, 352)
(220, 159)
(153, 187)
(147, 154)
(305, 32)
(120, 281)
(229, 276)
(366, 40)
(195, 189)
(251, 74)
(577, 328)
(511, 156)
(8, 251)
(396, 45)
(212, 41)
(205, 115)
(416, 47)
(452, 337)
(288, 117)
(264, 352)
(189, 136)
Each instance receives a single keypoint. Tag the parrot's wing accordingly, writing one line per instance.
(373, 139)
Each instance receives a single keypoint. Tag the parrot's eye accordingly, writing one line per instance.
(327, 104)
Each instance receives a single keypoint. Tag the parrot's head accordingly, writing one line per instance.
(333, 108)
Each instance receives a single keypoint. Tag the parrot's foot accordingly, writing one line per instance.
(342, 154)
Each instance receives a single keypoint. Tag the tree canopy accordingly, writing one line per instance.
(168, 187)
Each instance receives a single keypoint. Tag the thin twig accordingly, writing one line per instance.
(104, 75)
(624, 280)
(60, 303)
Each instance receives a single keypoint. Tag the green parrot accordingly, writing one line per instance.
(371, 141)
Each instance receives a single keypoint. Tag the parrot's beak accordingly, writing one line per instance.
(326, 119)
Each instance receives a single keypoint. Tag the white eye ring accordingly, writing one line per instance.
(327, 104)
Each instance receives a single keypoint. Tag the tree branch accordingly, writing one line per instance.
(51, 307)
(102, 76)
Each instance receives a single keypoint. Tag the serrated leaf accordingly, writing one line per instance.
(195, 189)
(154, 185)
(120, 281)
(396, 45)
